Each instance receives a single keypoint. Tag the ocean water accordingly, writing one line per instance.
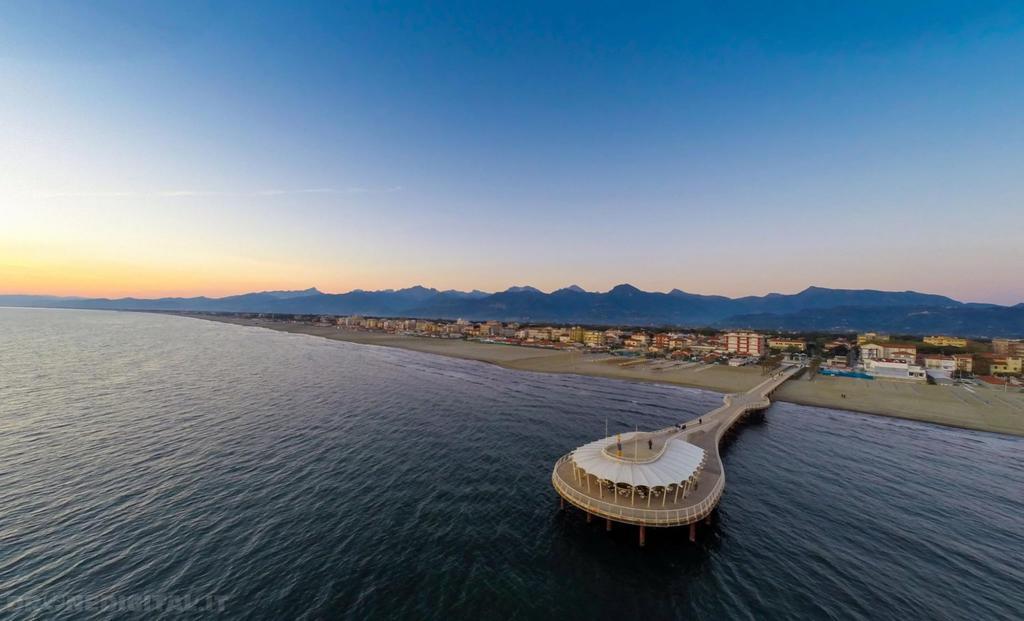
(163, 467)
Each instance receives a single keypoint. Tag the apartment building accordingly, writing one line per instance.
(747, 343)
(1008, 347)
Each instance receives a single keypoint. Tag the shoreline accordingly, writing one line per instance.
(978, 409)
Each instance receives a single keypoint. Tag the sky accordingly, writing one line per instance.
(198, 148)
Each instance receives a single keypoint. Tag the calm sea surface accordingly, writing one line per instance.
(287, 476)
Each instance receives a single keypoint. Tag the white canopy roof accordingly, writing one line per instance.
(679, 461)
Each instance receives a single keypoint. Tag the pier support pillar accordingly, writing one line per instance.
(643, 536)
(608, 525)
(588, 517)
(561, 503)
(693, 532)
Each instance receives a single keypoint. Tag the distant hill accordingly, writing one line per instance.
(814, 308)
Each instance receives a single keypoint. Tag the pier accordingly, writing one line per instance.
(666, 478)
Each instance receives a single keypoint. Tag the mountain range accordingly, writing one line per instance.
(813, 309)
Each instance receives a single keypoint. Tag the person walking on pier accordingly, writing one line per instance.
(650, 444)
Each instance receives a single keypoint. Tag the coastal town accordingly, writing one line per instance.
(945, 379)
(935, 359)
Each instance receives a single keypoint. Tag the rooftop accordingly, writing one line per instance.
(648, 459)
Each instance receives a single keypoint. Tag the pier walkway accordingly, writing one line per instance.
(670, 477)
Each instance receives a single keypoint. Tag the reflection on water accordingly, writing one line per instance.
(298, 477)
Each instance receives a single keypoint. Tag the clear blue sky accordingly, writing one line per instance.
(720, 148)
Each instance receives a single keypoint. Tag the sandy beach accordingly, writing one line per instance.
(980, 408)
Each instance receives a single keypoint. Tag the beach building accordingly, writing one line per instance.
(593, 338)
(945, 341)
(837, 362)
(637, 340)
(576, 334)
(991, 364)
(888, 350)
(612, 337)
(748, 343)
(677, 341)
(940, 369)
(872, 351)
(1009, 365)
(490, 328)
(538, 334)
(937, 362)
(895, 369)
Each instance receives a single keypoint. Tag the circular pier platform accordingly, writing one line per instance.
(665, 478)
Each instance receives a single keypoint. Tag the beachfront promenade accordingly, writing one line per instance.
(670, 477)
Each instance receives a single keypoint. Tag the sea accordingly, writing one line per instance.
(156, 466)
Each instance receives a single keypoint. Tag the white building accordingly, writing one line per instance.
(888, 368)
(940, 363)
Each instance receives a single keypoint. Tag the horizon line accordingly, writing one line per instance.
(481, 291)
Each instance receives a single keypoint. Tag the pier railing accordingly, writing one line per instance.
(637, 515)
(717, 423)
